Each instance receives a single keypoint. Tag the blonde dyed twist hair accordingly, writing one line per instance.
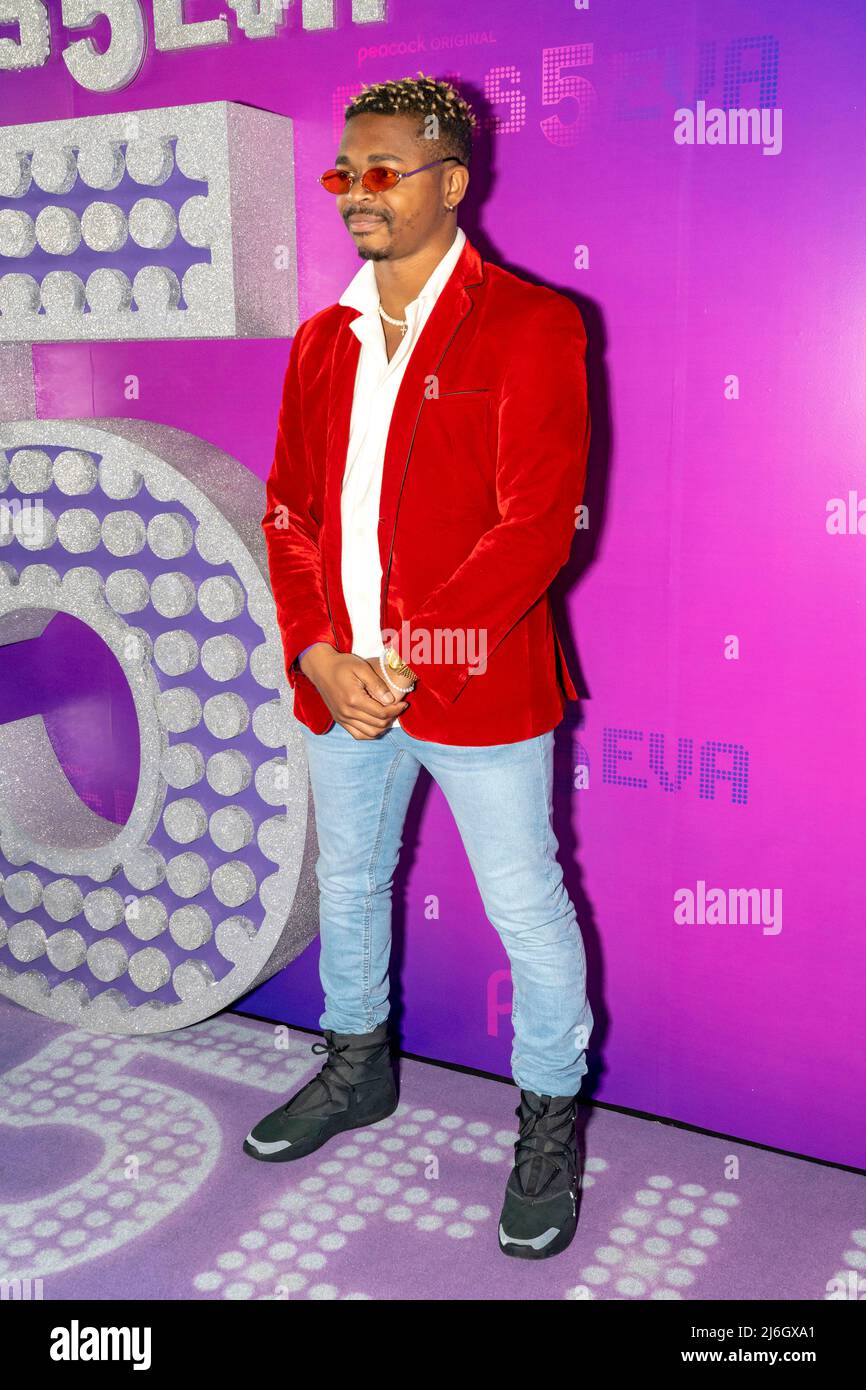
(422, 96)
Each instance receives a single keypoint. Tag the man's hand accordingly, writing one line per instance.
(353, 689)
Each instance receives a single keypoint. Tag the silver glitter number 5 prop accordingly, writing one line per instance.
(153, 538)
(118, 65)
(33, 45)
(106, 71)
(170, 222)
(121, 61)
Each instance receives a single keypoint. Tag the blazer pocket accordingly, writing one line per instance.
(462, 391)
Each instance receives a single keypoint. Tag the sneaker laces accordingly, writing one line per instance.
(537, 1146)
(328, 1076)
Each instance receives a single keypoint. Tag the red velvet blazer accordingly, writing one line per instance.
(484, 471)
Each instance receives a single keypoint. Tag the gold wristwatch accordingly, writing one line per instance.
(398, 666)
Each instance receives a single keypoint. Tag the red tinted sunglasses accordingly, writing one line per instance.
(376, 180)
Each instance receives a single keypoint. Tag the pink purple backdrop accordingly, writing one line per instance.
(712, 615)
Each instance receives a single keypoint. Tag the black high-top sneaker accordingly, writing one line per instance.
(539, 1214)
(355, 1087)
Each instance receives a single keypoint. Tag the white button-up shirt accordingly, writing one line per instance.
(377, 382)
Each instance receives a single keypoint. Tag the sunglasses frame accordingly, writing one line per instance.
(354, 177)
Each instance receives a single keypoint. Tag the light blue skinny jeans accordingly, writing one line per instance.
(501, 797)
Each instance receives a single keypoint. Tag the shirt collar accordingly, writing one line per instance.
(362, 291)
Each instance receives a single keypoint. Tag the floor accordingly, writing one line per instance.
(122, 1176)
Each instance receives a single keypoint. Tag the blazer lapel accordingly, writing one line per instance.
(344, 365)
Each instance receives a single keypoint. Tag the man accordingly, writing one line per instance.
(430, 459)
